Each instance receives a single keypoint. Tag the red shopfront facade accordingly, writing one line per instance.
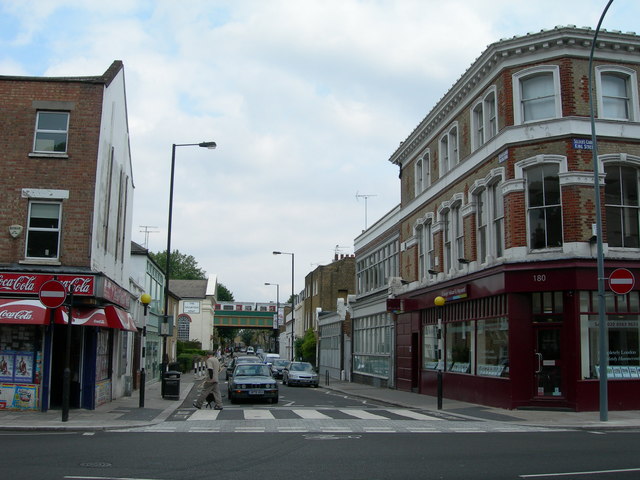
(33, 341)
(521, 335)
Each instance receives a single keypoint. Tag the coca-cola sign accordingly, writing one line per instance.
(30, 283)
(22, 311)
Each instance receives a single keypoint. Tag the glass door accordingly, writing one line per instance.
(548, 363)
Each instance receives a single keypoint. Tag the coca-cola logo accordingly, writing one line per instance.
(80, 285)
(21, 283)
(18, 315)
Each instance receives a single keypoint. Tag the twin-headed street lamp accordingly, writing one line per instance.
(292, 301)
(165, 318)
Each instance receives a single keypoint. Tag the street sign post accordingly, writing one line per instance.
(52, 294)
(621, 281)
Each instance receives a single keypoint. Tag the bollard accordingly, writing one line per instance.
(326, 381)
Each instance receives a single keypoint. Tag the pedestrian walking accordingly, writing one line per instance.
(210, 385)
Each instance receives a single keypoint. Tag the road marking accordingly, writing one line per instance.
(258, 415)
(567, 474)
(310, 414)
(411, 414)
(204, 415)
(363, 414)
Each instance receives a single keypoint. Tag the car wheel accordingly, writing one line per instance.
(275, 400)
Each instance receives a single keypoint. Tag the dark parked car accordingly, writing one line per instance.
(252, 381)
(238, 360)
(300, 373)
(278, 366)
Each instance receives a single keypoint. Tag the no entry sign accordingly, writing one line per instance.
(52, 294)
(621, 281)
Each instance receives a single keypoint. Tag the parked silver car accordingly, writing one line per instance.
(278, 366)
(300, 373)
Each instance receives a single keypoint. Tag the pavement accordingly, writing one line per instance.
(125, 412)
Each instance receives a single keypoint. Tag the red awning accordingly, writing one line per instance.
(32, 312)
(83, 317)
(23, 311)
(119, 318)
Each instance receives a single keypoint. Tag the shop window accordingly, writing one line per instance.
(43, 232)
(536, 94)
(617, 89)
(493, 347)
(459, 345)
(544, 209)
(622, 206)
(372, 345)
(51, 132)
(430, 347)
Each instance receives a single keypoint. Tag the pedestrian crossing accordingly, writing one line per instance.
(334, 421)
(310, 414)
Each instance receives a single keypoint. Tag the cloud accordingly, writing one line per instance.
(307, 100)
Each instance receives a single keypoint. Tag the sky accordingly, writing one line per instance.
(306, 99)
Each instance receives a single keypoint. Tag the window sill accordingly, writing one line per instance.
(39, 261)
(47, 155)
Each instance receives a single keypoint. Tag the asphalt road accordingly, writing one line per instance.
(458, 456)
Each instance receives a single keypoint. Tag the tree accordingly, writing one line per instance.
(308, 348)
(182, 267)
(223, 294)
(246, 336)
(227, 335)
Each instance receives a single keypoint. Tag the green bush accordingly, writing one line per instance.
(186, 361)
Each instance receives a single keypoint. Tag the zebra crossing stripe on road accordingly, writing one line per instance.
(412, 414)
(363, 414)
(310, 414)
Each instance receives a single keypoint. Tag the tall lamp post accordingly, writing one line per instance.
(145, 299)
(603, 351)
(293, 320)
(439, 303)
(164, 331)
(277, 316)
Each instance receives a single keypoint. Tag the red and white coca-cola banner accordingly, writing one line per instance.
(26, 312)
(92, 317)
(30, 283)
(118, 318)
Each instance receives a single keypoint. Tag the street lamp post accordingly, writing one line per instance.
(293, 320)
(439, 303)
(277, 316)
(145, 299)
(603, 352)
(165, 317)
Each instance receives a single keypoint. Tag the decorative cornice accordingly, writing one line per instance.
(515, 50)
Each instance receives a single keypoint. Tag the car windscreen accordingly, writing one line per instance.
(252, 370)
(301, 367)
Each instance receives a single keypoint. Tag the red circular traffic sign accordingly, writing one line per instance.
(52, 293)
(621, 281)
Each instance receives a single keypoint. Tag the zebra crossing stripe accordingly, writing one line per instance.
(311, 414)
(411, 414)
(204, 415)
(258, 415)
(363, 414)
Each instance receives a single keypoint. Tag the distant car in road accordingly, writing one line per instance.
(250, 351)
(277, 366)
(236, 361)
(300, 373)
(252, 381)
(268, 358)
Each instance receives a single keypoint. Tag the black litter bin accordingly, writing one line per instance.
(171, 385)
